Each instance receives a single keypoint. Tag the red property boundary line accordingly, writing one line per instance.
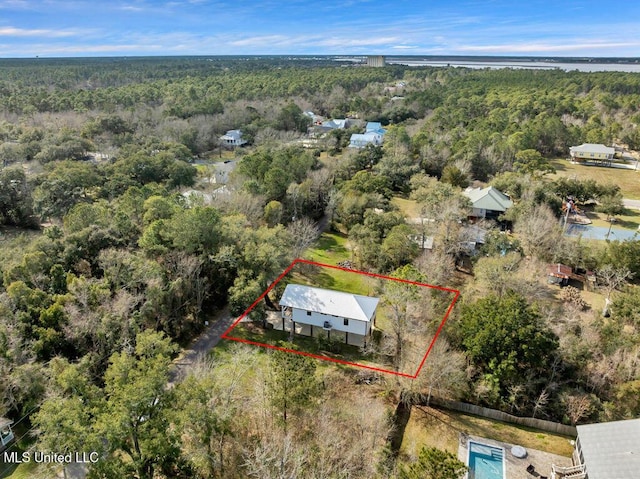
(455, 292)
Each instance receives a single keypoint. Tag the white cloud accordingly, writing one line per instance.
(23, 32)
(545, 47)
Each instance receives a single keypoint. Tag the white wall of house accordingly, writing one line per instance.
(337, 323)
(479, 212)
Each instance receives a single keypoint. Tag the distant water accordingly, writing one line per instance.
(520, 65)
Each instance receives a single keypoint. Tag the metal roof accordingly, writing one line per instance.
(232, 135)
(592, 148)
(488, 199)
(560, 270)
(611, 450)
(327, 301)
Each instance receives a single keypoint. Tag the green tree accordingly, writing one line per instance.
(532, 162)
(506, 338)
(454, 176)
(133, 418)
(291, 118)
(434, 463)
(292, 385)
(612, 206)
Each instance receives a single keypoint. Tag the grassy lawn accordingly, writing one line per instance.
(341, 351)
(439, 428)
(22, 471)
(332, 249)
(629, 220)
(628, 180)
(409, 208)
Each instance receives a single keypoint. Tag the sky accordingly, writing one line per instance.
(69, 28)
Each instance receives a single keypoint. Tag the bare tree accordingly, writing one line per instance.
(539, 232)
(303, 233)
(577, 406)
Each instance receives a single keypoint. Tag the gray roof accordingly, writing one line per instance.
(488, 199)
(611, 450)
(327, 301)
(592, 148)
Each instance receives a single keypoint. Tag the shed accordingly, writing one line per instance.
(559, 274)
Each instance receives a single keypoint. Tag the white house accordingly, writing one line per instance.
(373, 135)
(488, 202)
(360, 140)
(232, 138)
(605, 451)
(330, 313)
(592, 152)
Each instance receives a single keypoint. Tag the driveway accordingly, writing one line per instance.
(201, 345)
(633, 204)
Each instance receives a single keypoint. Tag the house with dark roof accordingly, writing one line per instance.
(329, 313)
(608, 450)
(488, 202)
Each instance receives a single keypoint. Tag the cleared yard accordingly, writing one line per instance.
(628, 180)
(332, 249)
(409, 208)
(437, 428)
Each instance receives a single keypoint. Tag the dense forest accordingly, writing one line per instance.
(116, 248)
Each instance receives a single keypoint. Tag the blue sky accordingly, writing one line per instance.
(219, 27)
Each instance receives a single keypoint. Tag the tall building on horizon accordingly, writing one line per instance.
(376, 61)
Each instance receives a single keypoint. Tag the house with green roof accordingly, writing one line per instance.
(488, 202)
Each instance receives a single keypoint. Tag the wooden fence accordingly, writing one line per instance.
(541, 424)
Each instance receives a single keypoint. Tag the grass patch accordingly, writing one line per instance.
(25, 470)
(629, 220)
(333, 349)
(437, 428)
(628, 180)
(409, 208)
(331, 249)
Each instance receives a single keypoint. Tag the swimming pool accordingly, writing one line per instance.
(485, 462)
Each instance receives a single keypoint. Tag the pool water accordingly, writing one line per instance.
(485, 462)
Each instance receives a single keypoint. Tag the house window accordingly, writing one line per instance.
(346, 322)
(308, 313)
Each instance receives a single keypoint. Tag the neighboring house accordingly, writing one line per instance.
(373, 135)
(6, 434)
(315, 119)
(488, 202)
(330, 313)
(360, 140)
(232, 138)
(591, 152)
(318, 131)
(337, 123)
(559, 274)
(374, 127)
(608, 450)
